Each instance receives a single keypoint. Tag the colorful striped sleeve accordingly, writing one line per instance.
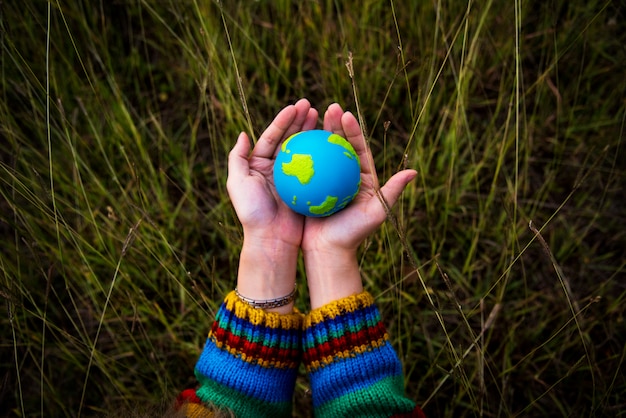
(250, 361)
(353, 368)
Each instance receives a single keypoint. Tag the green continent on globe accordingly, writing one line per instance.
(300, 166)
(338, 140)
(327, 205)
(283, 147)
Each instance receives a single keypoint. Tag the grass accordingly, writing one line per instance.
(501, 281)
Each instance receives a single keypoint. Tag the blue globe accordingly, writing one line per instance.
(317, 173)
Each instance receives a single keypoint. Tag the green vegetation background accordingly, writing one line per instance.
(118, 239)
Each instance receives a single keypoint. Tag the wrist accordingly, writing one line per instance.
(267, 270)
(332, 275)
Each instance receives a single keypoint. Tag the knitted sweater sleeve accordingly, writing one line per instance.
(249, 362)
(354, 370)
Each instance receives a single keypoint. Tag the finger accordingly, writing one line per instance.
(332, 119)
(354, 135)
(275, 132)
(311, 120)
(303, 109)
(238, 163)
(288, 121)
(305, 116)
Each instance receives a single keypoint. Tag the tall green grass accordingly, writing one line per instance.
(501, 277)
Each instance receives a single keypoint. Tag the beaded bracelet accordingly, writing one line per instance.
(269, 303)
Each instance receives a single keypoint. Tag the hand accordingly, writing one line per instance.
(329, 245)
(347, 229)
(272, 232)
(250, 181)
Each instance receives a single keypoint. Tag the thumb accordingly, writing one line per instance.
(392, 190)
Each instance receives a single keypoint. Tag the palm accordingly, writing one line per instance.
(267, 210)
(345, 229)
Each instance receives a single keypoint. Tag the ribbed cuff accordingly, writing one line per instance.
(353, 368)
(250, 358)
(340, 329)
(259, 337)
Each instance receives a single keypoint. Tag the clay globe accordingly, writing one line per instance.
(317, 173)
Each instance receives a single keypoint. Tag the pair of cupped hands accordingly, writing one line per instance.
(274, 234)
